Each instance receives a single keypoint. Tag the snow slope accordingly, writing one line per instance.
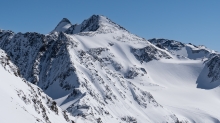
(100, 72)
(180, 92)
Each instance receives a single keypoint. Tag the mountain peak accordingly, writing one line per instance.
(65, 20)
(95, 23)
(63, 25)
(91, 24)
(97, 17)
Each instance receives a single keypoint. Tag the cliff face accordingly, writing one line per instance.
(209, 77)
(24, 101)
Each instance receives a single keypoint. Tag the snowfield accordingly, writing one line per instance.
(98, 72)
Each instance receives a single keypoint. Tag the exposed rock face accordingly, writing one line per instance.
(96, 24)
(29, 98)
(170, 44)
(187, 50)
(134, 72)
(8, 65)
(62, 26)
(209, 77)
(214, 68)
(35, 54)
(149, 53)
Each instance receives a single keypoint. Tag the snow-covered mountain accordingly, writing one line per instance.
(98, 71)
(181, 49)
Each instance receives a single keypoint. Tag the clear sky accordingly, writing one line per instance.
(189, 21)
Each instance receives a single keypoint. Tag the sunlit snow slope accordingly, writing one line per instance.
(100, 72)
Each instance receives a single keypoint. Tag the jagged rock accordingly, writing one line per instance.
(149, 53)
(180, 49)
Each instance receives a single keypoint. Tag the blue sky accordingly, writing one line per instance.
(194, 21)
